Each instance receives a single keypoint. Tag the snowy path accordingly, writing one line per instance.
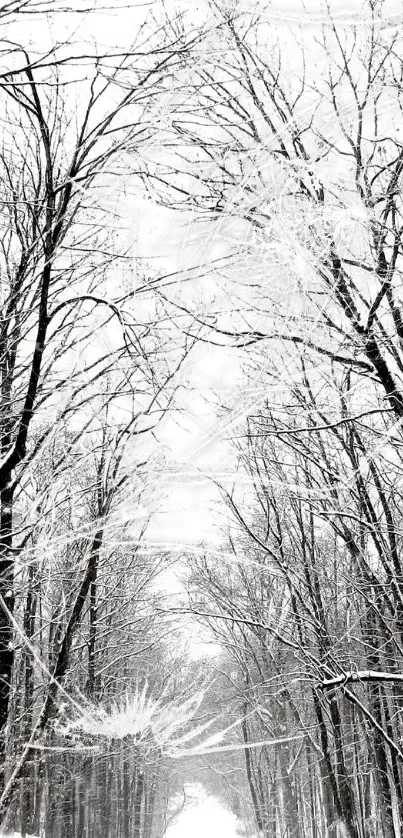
(204, 815)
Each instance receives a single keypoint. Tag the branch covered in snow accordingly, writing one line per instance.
(361, 675)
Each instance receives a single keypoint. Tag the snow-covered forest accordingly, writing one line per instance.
(201, 418)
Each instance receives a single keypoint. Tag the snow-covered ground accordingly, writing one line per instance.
(204, 815)
(14, 835)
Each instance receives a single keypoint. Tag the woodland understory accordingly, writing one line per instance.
(268, 139)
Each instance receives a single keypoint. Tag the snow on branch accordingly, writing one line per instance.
(161, 722)
(360, 675)
(165, 724)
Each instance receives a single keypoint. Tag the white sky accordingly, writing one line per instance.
(195, 442)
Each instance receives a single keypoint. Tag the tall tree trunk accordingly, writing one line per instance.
(346, 795)
(291, 807)
(137, 805)
(381, 761)
(91, 682)
(380, 749)
(6, 627)
(30, 778)
(249, 773)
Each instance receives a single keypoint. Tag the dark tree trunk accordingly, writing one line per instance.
(6, 626)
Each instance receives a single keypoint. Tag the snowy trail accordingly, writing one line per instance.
(204, 815)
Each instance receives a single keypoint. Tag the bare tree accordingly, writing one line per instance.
(86, 371)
